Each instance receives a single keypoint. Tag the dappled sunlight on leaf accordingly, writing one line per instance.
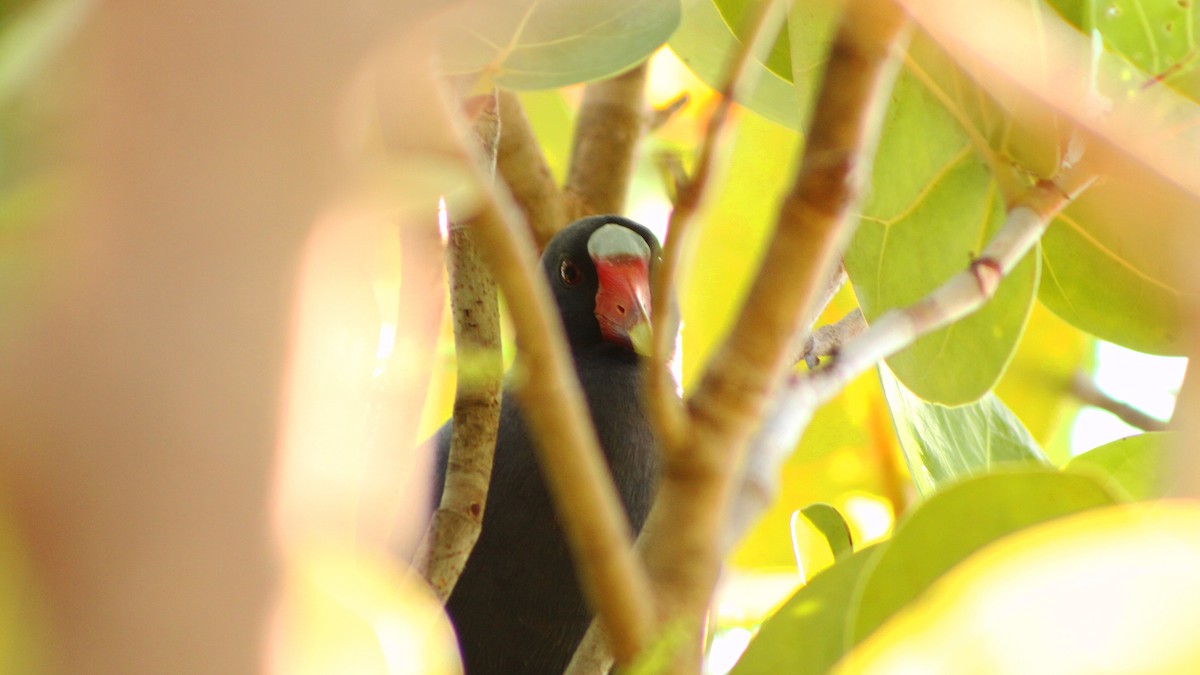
(345, 612)
(953, 524)
(1112, 590)
(805, 636)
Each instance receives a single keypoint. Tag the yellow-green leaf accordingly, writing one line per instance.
(538, 44)
(955, 523)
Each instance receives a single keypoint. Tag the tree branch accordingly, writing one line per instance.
(522, 165)
(1085, 389)
(579, 483)
(664, 403)
(611, 121)
(960, 296)
(807, 348)
(827, 340)
(458, 520)
(681, 540)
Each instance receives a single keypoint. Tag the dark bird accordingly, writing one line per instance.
(518, 608)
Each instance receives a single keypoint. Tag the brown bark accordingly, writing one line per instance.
(609, 127)
(523, 167)
(682, 543)
(458, 520)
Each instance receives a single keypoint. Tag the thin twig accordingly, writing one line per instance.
(827, 340)
(522, 165)
(662, 115)
(1085, 389)
(612, 119)
(961, 295)
(803, 338)
(458, 520)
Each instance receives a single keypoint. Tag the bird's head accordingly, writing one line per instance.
(599, 269)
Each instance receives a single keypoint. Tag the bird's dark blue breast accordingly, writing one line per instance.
(517, 607)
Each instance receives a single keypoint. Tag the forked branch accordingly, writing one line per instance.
(960, 296)
(611, 121)
(682, 539)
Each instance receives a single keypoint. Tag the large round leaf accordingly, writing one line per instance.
(1110, 265)
(704, 41)
(1111, 590)
(955, 523)
(805, 634)
(538, 44)
(933, 206)
(1108, 261)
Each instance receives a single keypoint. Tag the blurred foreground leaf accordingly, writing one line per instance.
(33, 36)
(805, 636)
(703, 42)
(539, 44)
(24, 616)
(349, 613)
(955, 523)
(1111, 590)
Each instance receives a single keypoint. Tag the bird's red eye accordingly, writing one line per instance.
(569, 273)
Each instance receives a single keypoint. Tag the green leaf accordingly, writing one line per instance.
(738, 15)
(933, 206)
(943, 445)
(955, 523)
(1104, 263)
(1157, 36)
(1103, 259)
(539, 44)
(806, 634)
(704, 41)
(828, 521)
(712, 29)
(1137, 464)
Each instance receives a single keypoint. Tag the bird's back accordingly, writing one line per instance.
(517, 607)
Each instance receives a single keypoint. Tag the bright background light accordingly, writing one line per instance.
(1147, 382)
